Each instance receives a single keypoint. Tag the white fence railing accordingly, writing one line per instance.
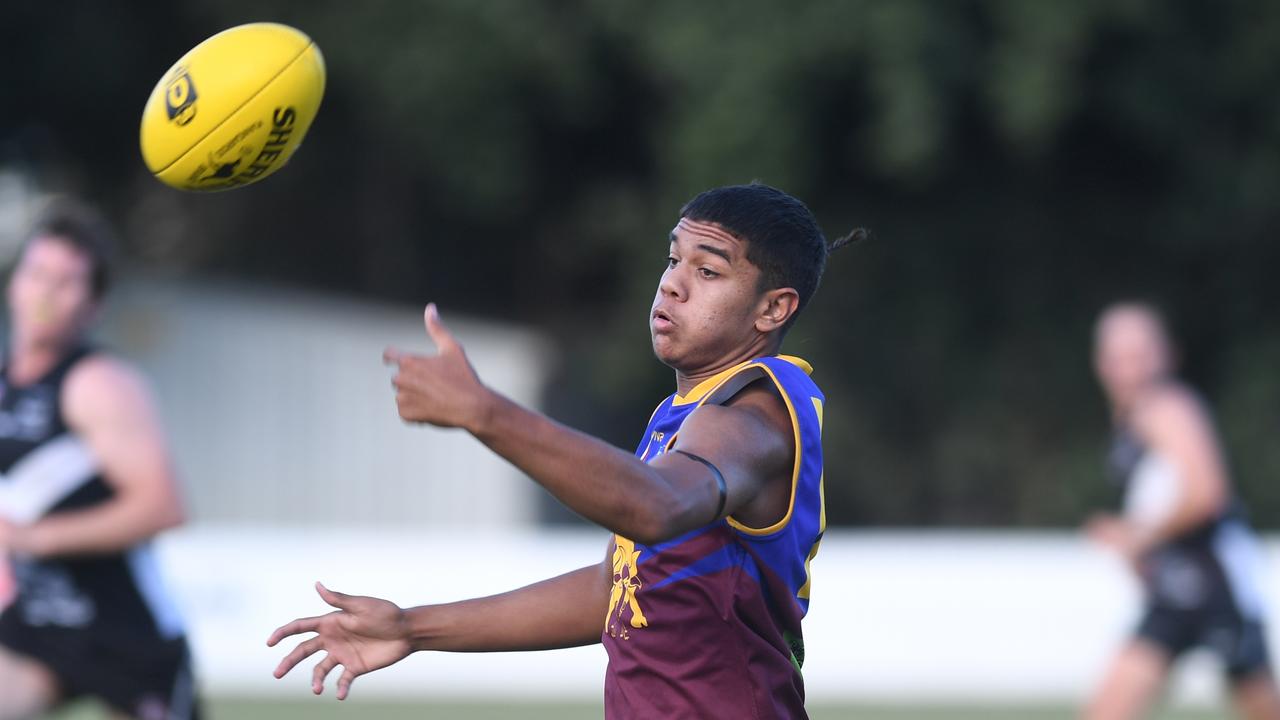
(986, 617)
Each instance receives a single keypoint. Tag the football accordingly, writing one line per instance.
(234, 109)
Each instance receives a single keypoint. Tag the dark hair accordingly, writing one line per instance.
(782, 235)
(84, 229)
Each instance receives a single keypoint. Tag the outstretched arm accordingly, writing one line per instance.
(749, 441)
(365, 634)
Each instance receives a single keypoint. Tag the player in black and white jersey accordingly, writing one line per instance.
(1182, 529)
(85, 482)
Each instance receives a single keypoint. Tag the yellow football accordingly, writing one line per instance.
(234, 109)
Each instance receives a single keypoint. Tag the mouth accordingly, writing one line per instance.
(661, 320)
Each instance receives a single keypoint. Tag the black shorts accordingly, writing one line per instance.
(1191, 603)
(143, 678)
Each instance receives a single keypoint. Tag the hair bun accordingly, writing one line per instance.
(855, 235)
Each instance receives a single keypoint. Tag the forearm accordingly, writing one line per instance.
(565, 611)
(114, 526)
(604, 484)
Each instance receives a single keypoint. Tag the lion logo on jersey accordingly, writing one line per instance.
(626, 584)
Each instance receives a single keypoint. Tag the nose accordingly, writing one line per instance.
(671, 286)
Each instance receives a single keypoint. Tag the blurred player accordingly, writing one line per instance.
(1182, 529)
(701, 593)
(86, 482)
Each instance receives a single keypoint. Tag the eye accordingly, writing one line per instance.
(671, 261)
(708, 273)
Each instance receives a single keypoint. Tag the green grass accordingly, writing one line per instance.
(326, 708)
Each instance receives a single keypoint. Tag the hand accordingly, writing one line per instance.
(15, 538)
(363, 635)
(1118, 535)
(443, 389)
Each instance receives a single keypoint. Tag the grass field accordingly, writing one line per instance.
(329, 709)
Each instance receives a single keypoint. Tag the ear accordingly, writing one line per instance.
(777, 307)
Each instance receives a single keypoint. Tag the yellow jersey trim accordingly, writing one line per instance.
(803, 592)
(706, 390)
(795, 472)
(702, 389)
(822, 479)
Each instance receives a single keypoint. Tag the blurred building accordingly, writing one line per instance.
(281, 411)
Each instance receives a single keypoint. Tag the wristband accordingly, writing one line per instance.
(724, 489)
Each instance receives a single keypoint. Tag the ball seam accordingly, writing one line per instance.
(239, 107)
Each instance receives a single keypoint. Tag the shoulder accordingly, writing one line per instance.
(789, 372)
(101, 383)
(1168, 407)
(102, 373)
(755, 414)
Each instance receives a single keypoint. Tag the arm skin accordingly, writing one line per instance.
(564, 611)
(109, 405)
(1171, 423)
(1174, 425)
(365, 634)
(750, 440)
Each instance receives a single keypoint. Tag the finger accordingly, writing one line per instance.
(297, 627)
(391, 356)
(303, 651)
(439, 334)
(344, 682)
(322, 670)
(335, 599)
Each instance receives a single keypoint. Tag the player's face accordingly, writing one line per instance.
(50, 296)
(1130, 353)
(708, 299)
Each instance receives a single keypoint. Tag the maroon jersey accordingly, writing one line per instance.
(707, 624)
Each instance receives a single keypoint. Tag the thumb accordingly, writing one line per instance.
(335, 599)
(438, 333)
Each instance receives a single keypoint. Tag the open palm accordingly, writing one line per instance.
(364, 634)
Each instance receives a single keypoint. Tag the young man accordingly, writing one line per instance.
(85, 482)
(715, 518)
(1182, 529)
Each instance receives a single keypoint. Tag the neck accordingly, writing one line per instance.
(1122, 405)
(687, 380)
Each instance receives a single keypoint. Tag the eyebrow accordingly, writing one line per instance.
(706, 248)
(716, 251)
